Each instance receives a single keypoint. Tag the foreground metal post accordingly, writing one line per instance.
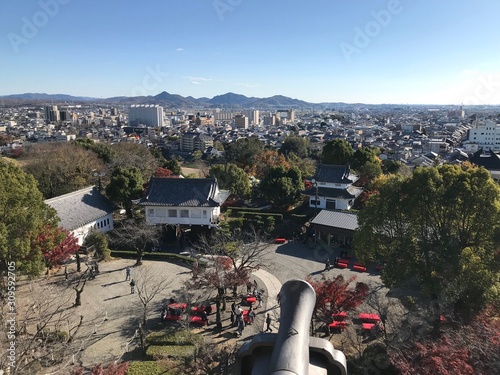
(291, 350)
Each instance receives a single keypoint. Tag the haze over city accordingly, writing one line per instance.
(397, 51)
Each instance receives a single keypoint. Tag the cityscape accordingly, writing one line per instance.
(249, 187)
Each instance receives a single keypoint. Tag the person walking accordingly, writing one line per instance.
(132, 286)
(259, 299)
(268, 323)
(327, 265)
(127, 273)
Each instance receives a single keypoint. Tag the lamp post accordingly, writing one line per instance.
(315, 183)
(99, 175)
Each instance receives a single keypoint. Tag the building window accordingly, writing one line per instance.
(97, 225)
(184, 213)
(172, 213)
(196, 214)
(107, 221)
(204, 214)
(151, 212)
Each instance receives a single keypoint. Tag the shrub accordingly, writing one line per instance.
(149, 368)
(170, 351)
(100, 243)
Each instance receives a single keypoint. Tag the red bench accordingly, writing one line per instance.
(339, 316)
(342, 263)
(336, 325)
(368, 326)
(359, 268)
(280, 240)
(369, 317)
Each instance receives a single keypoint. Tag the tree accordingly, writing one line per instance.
(439, 228)
(173, 165)
(235, 256)
(233, 178)
(56, 245)
(243, 151)
(362, 156)
(149, 285)
(100, 242)
(24, 217)
(297, 145)
(307, 166)
(282, 187)
(62, 168)
(133, 155)
(337, 152)
(267, 160)
(395, 167)
(336, 295)
(125, 185)
(136, 235)
(103, 150)
(45, 328)
(161, 172)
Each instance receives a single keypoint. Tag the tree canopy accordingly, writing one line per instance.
(62, 168)
(297, 145)
(337, 152)
(125, 185)
(231, 177)
(24, 216)
(282, 187)
(243, 151)
(439, 227)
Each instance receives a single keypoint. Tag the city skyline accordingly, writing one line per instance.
(401, 52)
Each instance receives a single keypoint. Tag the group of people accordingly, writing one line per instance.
(237, 319)
(328, 266)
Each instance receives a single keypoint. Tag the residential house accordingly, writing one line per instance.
(83, 211)
(331, 188)
(189, 201)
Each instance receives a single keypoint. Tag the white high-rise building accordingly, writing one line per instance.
(145, 114)
(485, 135)
(253, 116)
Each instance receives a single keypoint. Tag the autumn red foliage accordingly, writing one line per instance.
(56, 245)
(337, 294)
(161, 172)
(471, 349)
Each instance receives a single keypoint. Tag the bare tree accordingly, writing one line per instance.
(80, 285)
(231, 258)
(42, 329)
(148, 285)
(136, 235)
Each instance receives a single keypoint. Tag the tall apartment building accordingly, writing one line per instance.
(52, 113)
(253, 116)
(145, 114)
(193, 141)
(241, 121)
(223, 116)
(485, 135)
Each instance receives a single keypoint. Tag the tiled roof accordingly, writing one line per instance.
(80, 207)
(184, 192)
(339, 174)
(350, 192)
(337, 219)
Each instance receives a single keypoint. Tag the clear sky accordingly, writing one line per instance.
(371, 51)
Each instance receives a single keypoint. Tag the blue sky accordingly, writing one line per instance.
(397, 51)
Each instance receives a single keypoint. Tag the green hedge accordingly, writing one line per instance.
(174, 337)
(149, 368)
(170, 351)
(263, 215)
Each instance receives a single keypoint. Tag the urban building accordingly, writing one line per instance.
(145, 114)
(241, 122)
(179, 201)
(52, 114)
(484, 135)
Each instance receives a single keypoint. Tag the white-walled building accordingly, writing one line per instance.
(83, 211)
(332, 188)
(183, 201)
(146, 114)
(485, 135)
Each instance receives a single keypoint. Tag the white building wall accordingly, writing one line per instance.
(103, 225)
(182, 215)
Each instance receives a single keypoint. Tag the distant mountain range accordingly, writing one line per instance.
(168, 100)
